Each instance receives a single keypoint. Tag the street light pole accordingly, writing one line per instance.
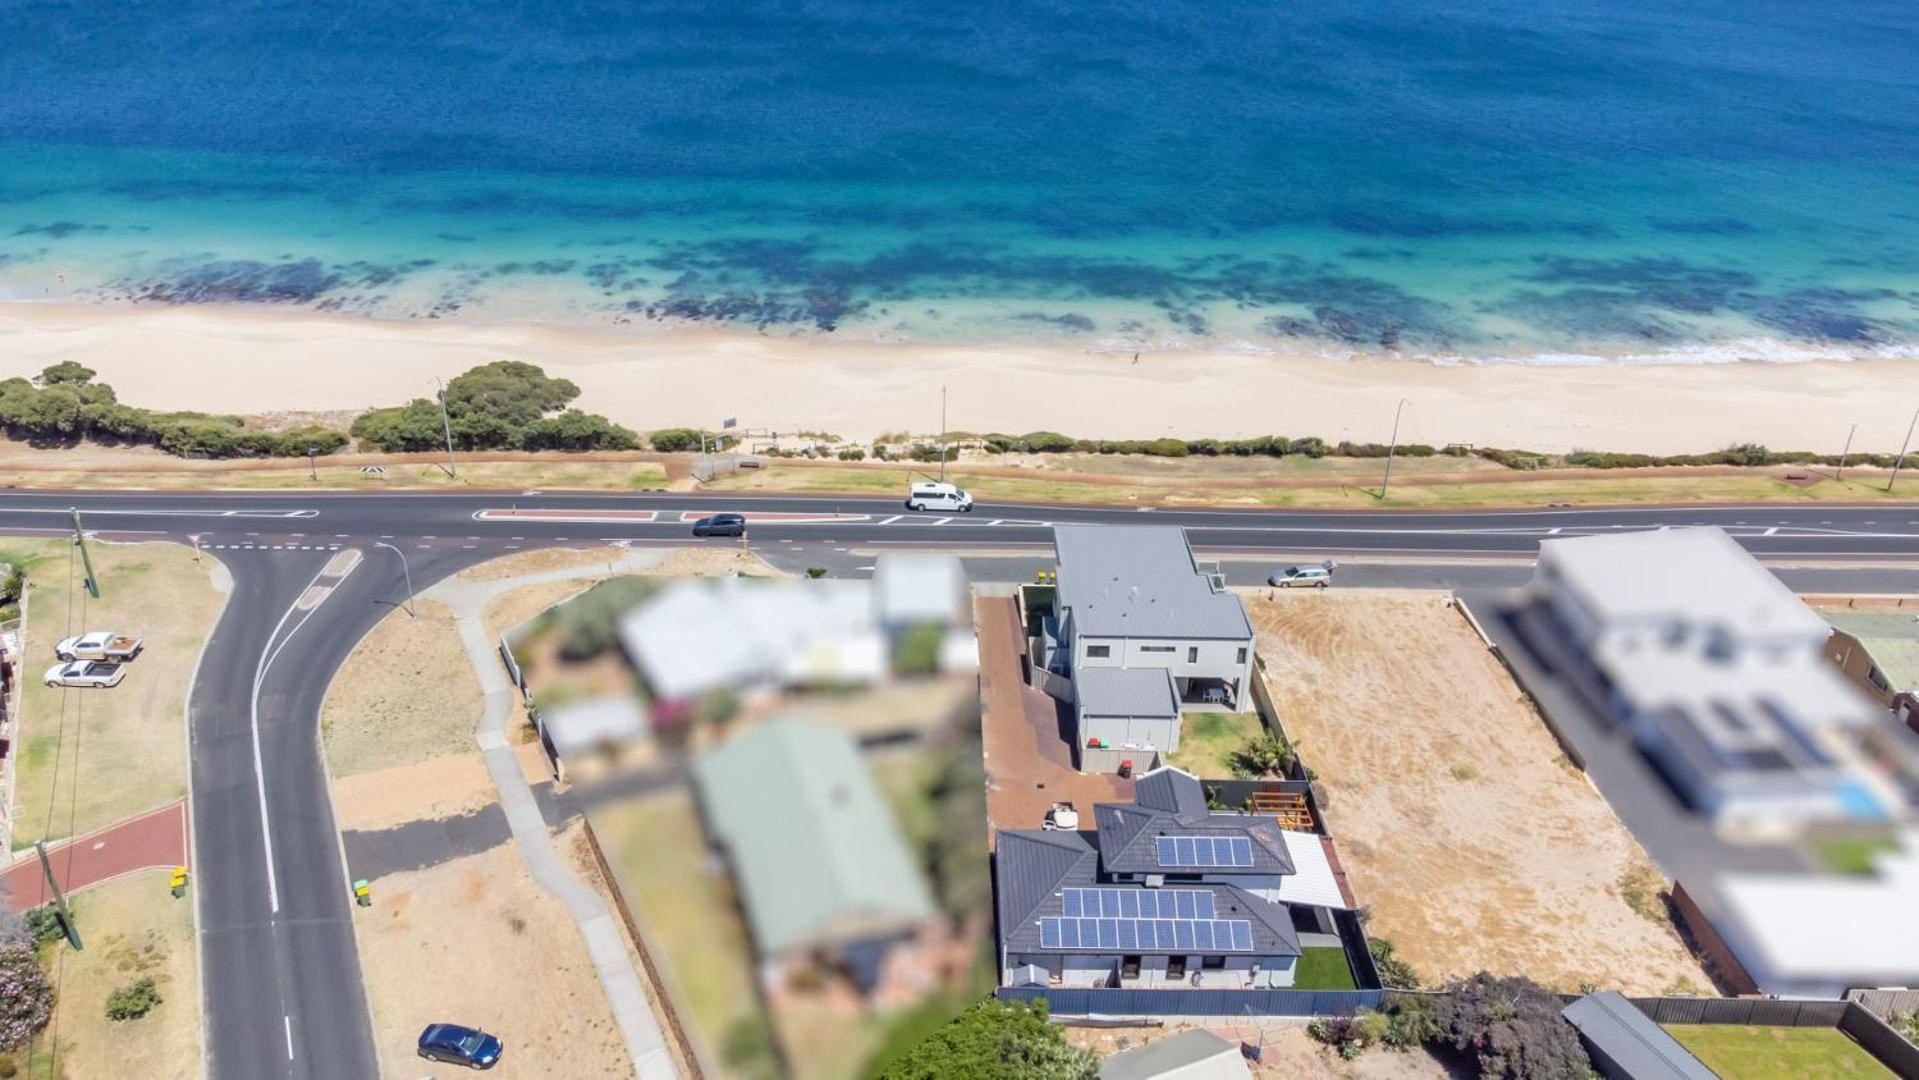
(446, 422)
(1390, 450)
(1903, 447)
(1845, 452)
(404, 569)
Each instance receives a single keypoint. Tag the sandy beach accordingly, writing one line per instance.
(255, 360)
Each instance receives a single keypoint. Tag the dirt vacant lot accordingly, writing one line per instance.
(476, 941)
(1476, 844)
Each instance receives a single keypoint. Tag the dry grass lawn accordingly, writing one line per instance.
(133, 929)
(407, 693)
(1475, 843)
(477, 941)
(122, 749)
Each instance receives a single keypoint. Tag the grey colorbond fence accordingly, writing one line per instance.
(1886, 1003)
(1064, 1001)
(1880, 1040)
(1850, 1017)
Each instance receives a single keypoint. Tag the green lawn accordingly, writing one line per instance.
(1208, 740)
(688, 908)
(1766, 1053)
(1324, 968)
(1852, 854)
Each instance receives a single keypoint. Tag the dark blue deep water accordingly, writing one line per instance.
(1439, 177)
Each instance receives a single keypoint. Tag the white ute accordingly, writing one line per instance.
(86, 673)
(99, 645)
(932, 495)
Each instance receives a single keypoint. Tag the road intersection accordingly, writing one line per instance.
(310, 577)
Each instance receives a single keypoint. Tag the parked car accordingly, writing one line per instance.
(931, 495)
(86, 673)
(1317, 577)
(99, 645)
(721, 525)
(460, 1045)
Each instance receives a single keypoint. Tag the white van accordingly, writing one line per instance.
(929, 495)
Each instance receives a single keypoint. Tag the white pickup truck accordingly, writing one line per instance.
(99, 645)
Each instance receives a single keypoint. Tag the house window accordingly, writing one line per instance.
(1242, 656)
(1192, 654)
(1129, 967)
(1212, 963)
(1877, 678)
(1175, 967)
(1098, 652)
(1155, 648)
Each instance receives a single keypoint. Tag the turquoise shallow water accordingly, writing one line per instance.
(1487, 179)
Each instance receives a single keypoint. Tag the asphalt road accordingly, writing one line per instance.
(281, 975)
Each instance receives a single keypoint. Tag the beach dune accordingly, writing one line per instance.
(252, 361)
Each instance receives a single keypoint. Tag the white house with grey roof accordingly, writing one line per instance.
(1714, 668)
(1162, 893)
(1142, 632)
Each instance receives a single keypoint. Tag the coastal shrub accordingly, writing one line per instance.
(994, 1039)
(576, 430)
(1043, 442)
(503, 405)
(66, 371)
(1166, 448)
(1512, 1025)
(1394, 972)
(1309, 446)
(26, 997)
(43, 923)
(674, 440)
(132, 1001)
(1411, 1019)
(851, 454)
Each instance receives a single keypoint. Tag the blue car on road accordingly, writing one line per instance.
(459, 1045)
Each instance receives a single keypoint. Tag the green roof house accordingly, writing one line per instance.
(821, 868)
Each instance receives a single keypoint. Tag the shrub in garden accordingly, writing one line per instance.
(132, 1001)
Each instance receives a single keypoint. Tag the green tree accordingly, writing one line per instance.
(674, 440)
(994, 1039)
(513, 391)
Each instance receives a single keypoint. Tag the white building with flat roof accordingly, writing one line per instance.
(1717, 671)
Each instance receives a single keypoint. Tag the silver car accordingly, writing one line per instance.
(1317, 577)
(86, 673)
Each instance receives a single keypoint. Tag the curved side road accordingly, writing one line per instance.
(605, 943)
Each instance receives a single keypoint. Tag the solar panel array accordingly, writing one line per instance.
(1148, 935)
(1137, 903)
(1205, 851)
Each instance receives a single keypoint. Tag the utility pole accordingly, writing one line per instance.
(942, 433)
(1844, 453)
(59, 898)
(404, 569)
(446, 422)
(1390, 450)
(86, 557)
(1903, 447)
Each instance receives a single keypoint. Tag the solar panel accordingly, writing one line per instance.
(1169, 921)
(1204, 850)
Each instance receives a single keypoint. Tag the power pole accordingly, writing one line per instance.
(59, 898)
(1844, 453)
(446, 422)
(1390, 450)
(1903, 447)
(86, 557)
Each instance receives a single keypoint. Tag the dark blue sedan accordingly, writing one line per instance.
(720, 525)
(460, 1046)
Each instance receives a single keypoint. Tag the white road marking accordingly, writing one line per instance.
(1770, 532)
(288, 1022)
(890, 520)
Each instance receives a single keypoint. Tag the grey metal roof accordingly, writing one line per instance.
(1634, 1045)
(1197, 1054)
(1140, 581)
(1134, 692)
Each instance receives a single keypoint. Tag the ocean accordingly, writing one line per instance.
(1459, 180)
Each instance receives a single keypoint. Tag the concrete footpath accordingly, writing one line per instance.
(625, 992)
